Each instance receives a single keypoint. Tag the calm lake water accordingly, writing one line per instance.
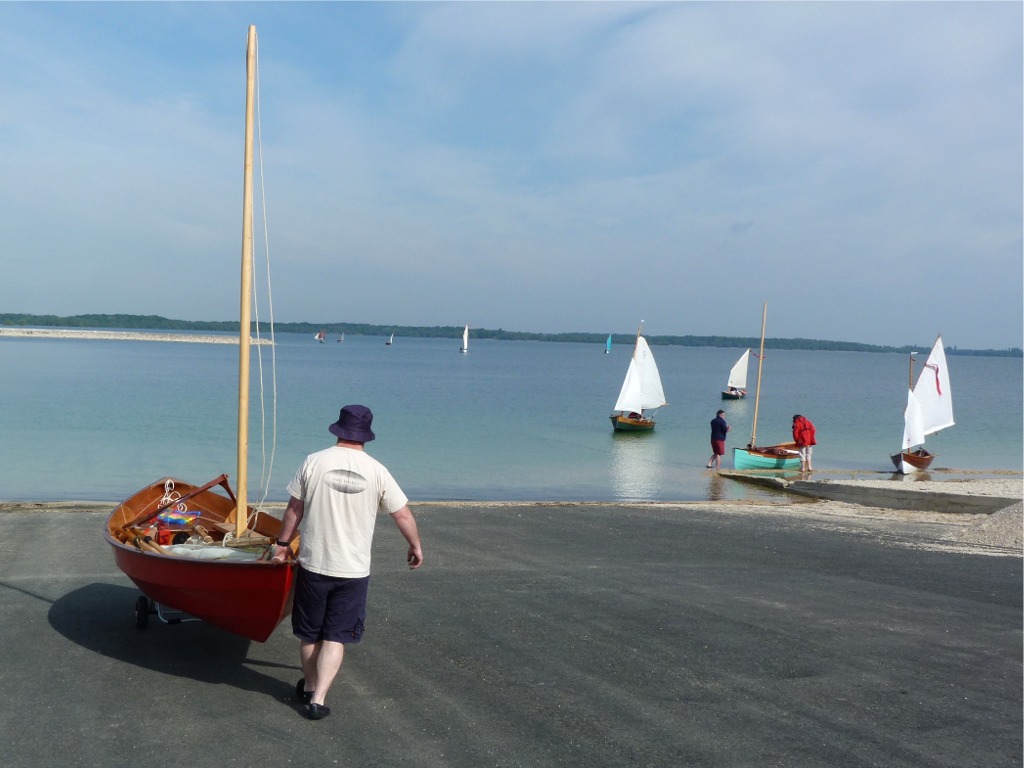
(96, 420)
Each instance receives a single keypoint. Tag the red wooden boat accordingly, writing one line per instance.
(238, 588)
(246, 595)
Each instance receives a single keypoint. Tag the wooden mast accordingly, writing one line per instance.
(760, 362)
(241, 511)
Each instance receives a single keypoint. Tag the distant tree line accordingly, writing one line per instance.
(157, 323)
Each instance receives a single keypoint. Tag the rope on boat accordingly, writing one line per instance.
(170, 498)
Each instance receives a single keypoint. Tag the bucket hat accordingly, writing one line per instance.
(353, 424)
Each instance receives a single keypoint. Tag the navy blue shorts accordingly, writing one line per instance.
(329, 607)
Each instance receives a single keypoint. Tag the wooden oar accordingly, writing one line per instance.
(250, 541)
(145, 542)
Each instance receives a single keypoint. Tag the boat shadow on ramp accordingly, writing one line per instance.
(99, 618)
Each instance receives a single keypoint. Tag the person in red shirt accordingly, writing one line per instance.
(803, 436)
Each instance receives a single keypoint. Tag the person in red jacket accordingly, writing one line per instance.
(803, 436)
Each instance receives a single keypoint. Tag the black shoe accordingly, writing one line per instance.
(317, 711)
(301, 693)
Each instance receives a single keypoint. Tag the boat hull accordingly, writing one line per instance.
(626, 424)
(782, 456)
(247, 598)
(733, 395)
(912, 461)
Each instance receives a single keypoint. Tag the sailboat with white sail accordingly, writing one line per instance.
(641, 394)
(754, 456)
(929, 409)
(465, 340)
(390, 341)
(736, 387)
(320, 335)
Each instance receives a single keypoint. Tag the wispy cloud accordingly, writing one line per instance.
(543, 166)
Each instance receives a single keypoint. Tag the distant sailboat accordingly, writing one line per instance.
(390, 341)
(929, 409)
(465, 340)
(736, 387)
(641, 391)
(608, 345)
(781, 456)
(341, 337)
(320, 336)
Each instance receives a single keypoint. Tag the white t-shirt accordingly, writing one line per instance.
(342, 490)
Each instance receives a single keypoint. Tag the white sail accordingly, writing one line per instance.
(465, 339)
(913, 417)
(933, 393)
(641, 389)
(738, 373)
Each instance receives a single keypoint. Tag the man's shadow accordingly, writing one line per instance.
(99, 617)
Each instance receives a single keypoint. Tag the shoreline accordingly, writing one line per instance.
(993, 530)
(181, 338)
(1000, 486)
(865, 492)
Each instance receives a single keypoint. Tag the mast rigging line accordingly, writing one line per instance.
(267, 466)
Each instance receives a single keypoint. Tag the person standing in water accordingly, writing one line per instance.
(719, 429)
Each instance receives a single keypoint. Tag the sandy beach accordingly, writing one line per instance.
(979, 515)
(181, 338)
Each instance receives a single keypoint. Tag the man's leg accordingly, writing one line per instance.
(323, 665)
(308, 654)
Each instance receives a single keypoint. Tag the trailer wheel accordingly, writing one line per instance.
(142, 612)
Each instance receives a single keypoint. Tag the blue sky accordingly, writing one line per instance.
(529, 166)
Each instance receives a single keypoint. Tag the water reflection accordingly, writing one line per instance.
(716, 487)
(911, 477)
(637, 463)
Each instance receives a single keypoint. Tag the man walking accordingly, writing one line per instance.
(335, 498)
(719, 429)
